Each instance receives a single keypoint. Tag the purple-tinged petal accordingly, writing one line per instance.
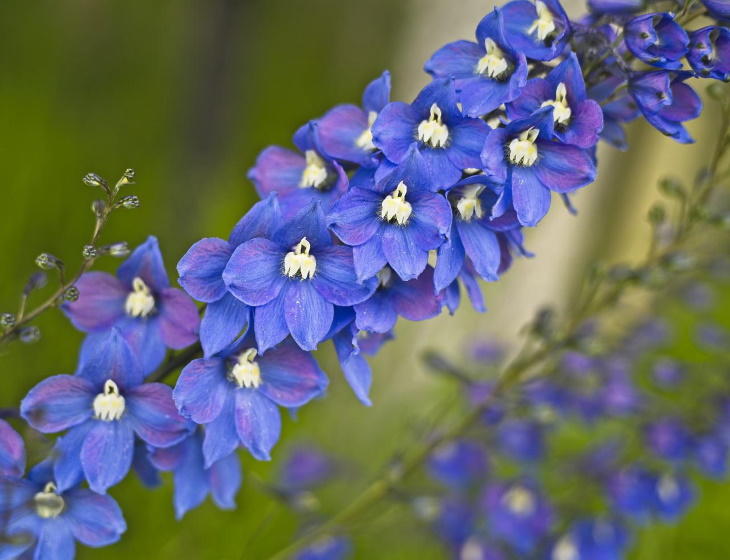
(14, 492)
(225, 480)
(355, 218)
(113, 358)
(171, 458)
(395, 130)
(530, 197)
(146, 263)
(335, 278)
(563, 168)
(482, 247)
(258, 423)
(67, 469)
(221, 438)
(95, 520)
(533, 95)
(254, 273)
(223, 322)
(270, 324)
(377, 313)
(201, 389)
(143, 466)
(260, 221)
(377, 93)
(106, 454)
(449, 261)
(340, 129)
(201, 269)
(308, 315)
(179, 319)
(686, 104)
(458, 59)
(100, 304)
(404, 256)
(12, 451)
(144, 337)
(290, 377)
(55, 541)
(415, 300)
(585, 126)
(277, 170)
(430, 221)
(369, 257)
(493, 155)
(59, 402)
(154, 416)
(191, 481)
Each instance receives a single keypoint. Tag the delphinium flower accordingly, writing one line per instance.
(541, 30)
(295, 280)
(41, 521)
(236, 395)
(657, 40)
(298, 178)
(397, 222)
(488, 73)
(139, 302)
(12, 451)
(448, 141)
(201, 275)
(460, 465)
(594, 539)
(103, 407)
(192, 480)
(709, 52)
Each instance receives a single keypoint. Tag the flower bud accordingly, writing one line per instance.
(88, 252)
(117, 249)
(98, 207)
(35, 282)
(29, 335)
(47, 261)
(93, 180)
(71, 293)
(7, 321)
(129, 202)
(126, 179)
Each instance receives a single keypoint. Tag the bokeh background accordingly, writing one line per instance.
(187, 92)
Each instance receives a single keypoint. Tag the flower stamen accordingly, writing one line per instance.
(544, 25)
(396, 207)
(299, 261)
(246, 372)
(493, 64)
(48, 504)
(140, 301)
(109, 405)
(315, 173)
(365, 140)
(522, 150)
(561, 109)
(432, 131)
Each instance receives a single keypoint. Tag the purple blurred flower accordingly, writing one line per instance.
(657, 40)
(709, 52)
(459, 464)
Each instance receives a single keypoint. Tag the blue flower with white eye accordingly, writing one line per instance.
(139, 302)
(631, 492)
(577, 119)
(592, 539)
(669, 439)
(12, 451)
(666, 102)
(103, 406)
(540, 31)
(459, 465)
(448, 141)
(522, 439)
(299, 178)
(201, 274)
(294, 280)
(40, 521)
(711, 456)
(192, 480)
(657, 40)
(345, 131)
(523, 157)
(397, 222)
(488, 73)
(673, 494)
(709, 52)
(236, 394)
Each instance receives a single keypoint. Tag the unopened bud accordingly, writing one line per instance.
(7, 321)
(98, 207)
(88, 252)
(47, 261)
(35, 282)
(93, 180)
(71, 293)
(129, 202)
(118, 249)
(29, 335)
(126, 179)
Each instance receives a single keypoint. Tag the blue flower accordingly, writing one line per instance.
(327, 548)
(346, 340)
(523, 157)
(711, 456)
(617, 109)
(12, 451)
(236, 393)
(631, 491)
(45, 522)
(305, 468)
(139, 302)
(577, 119)
(668, 438)
(709, 52)
(103, 407)
(201, 274)
(540, 31)
(448, 141)
(193, 481)
(299, 178)
(345, 131)
(616, 6)
(719, 9)
(592, 539)
(522, 439)
(488, 73)
(673, 494)
(657, 40)
(467, 277)
(458, 465)
(294, 280)
(397, 222)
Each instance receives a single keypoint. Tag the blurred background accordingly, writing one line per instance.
(187, 93)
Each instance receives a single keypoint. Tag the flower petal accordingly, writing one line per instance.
(482, 247)
(530, 197)
(369, 257)
(154, 416)
(224, 320)
(225, 480)
(377, 313)
(100, 304)
(221, 438)
(458, 59)
(12, 451)
(67, 469)
(563, 168)
(335, 278)
(258, 423)
(106, 454)
(290, 377)
(201, 269)
(355, 368)
(111, 357)
(55, 541)
(201, 389)
(146, 263)
(254, 273)
(308, 315)
(95, 520)
(260, 221)
(179, 319)
(355, 218)
(407, 259)
(58, 402)
(395, 130)
(415, 300)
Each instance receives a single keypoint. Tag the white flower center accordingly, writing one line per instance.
(48, 504)
(299, 261)
(395, 206)
(140, 302)
(561, 109)
(522, 150)
(544, 24)
(493, 64)
(432, 131)
(315, 173)
(365, 140)
(471, 550)
(469, 204)
(246, 373)
(565, 549)
(667, 488)
(384, 277)
(520, 501)
(109, 405)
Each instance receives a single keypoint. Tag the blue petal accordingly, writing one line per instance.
(530, 197)
(376, 314)
(106, 454)
(335, 279)
(309, 222)
(355, 368)
(201, 269)
(191, 480)
(458, 59)
(221, 438)
(394, 130)
(354, 218)
(146, 263)
(482, 247)
(270, 324)
(202, 389)
(55, 541)
(254, 273)
(223, 322)
(415, 300)
(12, 451)
(258, 423)
(67, 469)
(225, 480)
(58, 403)
(377, 93)
(260, 221)
(449, 261)
(114, 359)
(95, 520)
(369, 257)
(308, 315)
(404, 256)
(153, 415)
(290, 377)
(563, 168)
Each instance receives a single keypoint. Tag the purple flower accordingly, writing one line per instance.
(719, 9)
(459, 465)
(201, 274)
(45, 522)
(12, 451)
(615, 6)
(150, 315)
(631, 492)
(294, 280)
(448, 141)
(668, 438)
(305, 468)
(345, 131)
(488, 73)
(523, 157)
(577, 119)
(709, 52)
(666, 103)
(236, 393)
(327, 548)
(657, 40)
(103, 407)
(673, 494)
(296, 178)
(592, 539)
(193, 481)
(522, 439)
(540, 31)
(711, 456)
(667, 373)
